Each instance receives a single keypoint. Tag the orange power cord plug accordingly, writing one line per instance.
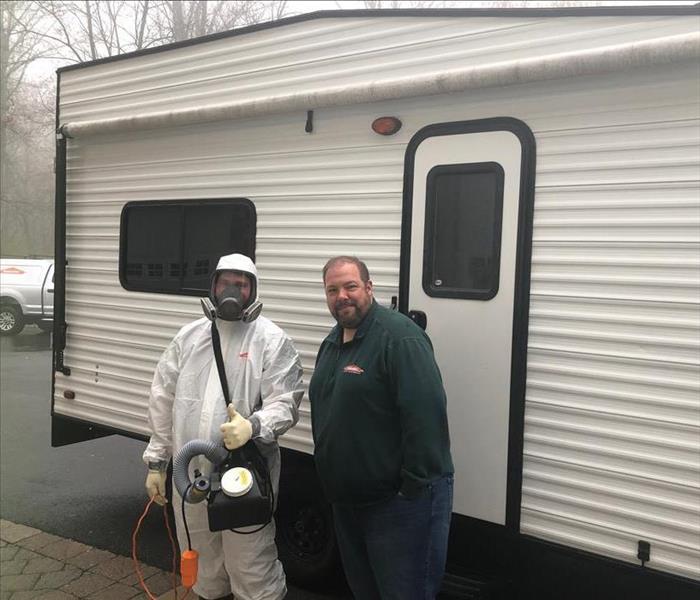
(188, 560)
(188, 567)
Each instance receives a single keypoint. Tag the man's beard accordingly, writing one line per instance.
(351, 319)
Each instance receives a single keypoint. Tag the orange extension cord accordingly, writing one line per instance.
(137, 568)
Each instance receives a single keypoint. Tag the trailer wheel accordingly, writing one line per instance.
(11, 319)
(306, 537)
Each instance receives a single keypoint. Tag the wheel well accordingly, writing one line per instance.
(305, 535)
(298, 472)
(296, 465)
(10, 301)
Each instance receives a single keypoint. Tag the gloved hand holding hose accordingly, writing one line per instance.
(155, 482)
(237, 431)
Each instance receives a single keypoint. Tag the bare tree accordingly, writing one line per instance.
(83, 30)
(277, 9)
(391, 4)
(20, 44)
(27, 180)
(542, 4)
(74, 31)
(193, 18)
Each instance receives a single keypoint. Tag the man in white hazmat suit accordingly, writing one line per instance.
(187, 403)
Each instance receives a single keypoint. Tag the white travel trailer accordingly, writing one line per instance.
(524, 183)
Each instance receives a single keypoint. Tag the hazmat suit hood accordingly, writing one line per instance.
(229, 305)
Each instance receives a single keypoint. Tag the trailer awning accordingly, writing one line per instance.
(607, 59)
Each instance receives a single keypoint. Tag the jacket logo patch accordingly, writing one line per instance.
(243, 355)
(354, 369)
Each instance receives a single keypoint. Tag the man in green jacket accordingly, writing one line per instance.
(382, 445)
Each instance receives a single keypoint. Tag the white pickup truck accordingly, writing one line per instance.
(26, 294)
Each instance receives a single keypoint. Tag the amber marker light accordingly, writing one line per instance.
(386, 125)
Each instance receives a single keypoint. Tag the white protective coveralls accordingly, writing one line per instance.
(187, 403)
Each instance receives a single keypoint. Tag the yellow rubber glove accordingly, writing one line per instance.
(237, 431)
(155, 486)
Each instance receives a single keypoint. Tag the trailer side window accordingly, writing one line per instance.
(173, 246)
(463, 213)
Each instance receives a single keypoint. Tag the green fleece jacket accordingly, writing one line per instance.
(378, 411)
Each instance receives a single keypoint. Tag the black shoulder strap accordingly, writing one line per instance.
(261, 466)
(216, 342)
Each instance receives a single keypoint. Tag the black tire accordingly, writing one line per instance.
(11, 319)
(305, 536)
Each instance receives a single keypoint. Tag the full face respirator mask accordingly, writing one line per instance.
(229, 305)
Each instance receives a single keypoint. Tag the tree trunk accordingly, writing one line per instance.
(178, 22)
(91, 34)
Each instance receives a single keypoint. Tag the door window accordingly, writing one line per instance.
(463, 214)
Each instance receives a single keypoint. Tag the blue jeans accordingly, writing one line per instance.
(396, 549)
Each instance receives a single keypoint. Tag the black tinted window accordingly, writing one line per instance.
(174, 246)
(464, 206)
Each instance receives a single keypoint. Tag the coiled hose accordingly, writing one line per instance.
(214, 452)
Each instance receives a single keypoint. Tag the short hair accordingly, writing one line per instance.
(341, 260)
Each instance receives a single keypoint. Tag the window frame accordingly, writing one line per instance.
(183, 204)
(429, 234)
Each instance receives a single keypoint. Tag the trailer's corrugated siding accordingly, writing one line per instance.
(612, 437)
(612, 432)
(320, 54)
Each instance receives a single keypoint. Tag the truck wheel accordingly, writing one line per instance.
(11, 319)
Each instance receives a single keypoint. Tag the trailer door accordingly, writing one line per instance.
(465, 277)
